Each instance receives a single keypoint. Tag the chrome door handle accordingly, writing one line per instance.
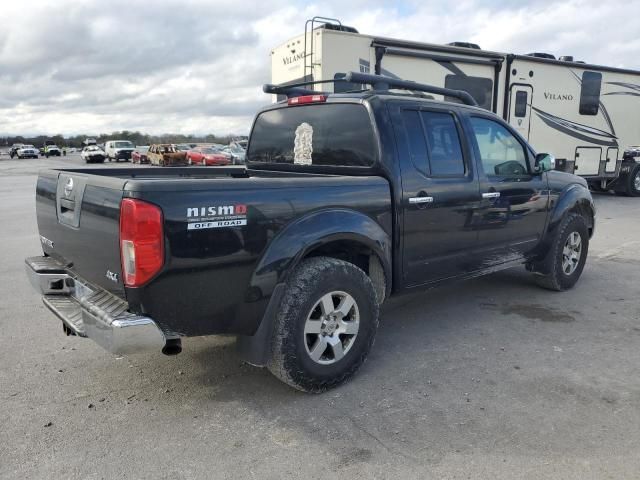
(491, 195)
(419, 200)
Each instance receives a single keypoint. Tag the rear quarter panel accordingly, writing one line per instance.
(209, 284)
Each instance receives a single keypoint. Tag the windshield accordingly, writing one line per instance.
(207, 150)
(123, 145)
(322, 134)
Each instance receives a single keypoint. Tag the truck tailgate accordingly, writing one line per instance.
(78, 219)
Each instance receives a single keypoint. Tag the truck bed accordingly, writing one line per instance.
(212, 280)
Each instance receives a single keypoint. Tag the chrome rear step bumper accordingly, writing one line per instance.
(92, 312)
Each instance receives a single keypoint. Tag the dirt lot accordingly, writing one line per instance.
(490, 378)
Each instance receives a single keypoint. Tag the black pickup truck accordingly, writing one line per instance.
(346, 199)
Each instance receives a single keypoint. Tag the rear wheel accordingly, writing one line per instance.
(633, 182)
(563, 265)
(326, 325)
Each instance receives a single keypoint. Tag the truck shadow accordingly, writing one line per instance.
(441, 361)
(409, 324)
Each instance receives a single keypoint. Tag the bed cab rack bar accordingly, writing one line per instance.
(289, 90)
(297, 89)
(382, 82)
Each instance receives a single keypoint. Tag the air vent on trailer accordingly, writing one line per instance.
(541, 55)
(339, 28)
(566, 58)
(475, 46)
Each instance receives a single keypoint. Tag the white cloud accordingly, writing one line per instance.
(197, 66)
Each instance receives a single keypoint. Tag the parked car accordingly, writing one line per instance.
(117, 150)
(236, 153)
(348, 199)
(52, 151)
(14, 149)
(206, 156)
(139, 155)
(166, 155)
(93, 154)
(183, 147)
(27, 151)
(239, 142)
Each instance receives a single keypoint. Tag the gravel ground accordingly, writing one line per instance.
(489, 378)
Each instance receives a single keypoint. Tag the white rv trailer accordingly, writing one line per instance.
(586, 115)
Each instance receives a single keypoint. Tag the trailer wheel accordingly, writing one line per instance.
(564, 262)
(326, 325)
(633, 182)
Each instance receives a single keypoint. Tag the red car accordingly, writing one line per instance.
(139, 155)
(207, 156)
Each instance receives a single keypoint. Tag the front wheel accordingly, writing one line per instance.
(563, 265)
(326, 325)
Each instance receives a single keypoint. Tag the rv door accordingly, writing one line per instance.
(520, 108)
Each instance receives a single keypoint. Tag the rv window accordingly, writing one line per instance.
(479, 88)
(590, 93)
(328, 134)
(521, 104)
(445, 153)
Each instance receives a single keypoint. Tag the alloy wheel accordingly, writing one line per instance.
(571, 253)
(331, 327)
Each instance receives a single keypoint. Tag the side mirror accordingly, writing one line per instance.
(545, 162)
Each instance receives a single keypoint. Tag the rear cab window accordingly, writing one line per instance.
(316, 135)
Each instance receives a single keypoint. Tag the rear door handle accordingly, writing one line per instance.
(419, 200)
(491, 195)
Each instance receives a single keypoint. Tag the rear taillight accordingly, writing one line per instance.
(307, 99)
(141, 241)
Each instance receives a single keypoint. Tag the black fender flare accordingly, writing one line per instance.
(313, 230)
(574, 198)
(287, 250)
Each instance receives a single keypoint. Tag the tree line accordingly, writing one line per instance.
(137, 138)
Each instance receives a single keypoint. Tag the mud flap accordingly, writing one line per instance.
(255, 349)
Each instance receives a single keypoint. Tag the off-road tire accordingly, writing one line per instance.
(311, 280)
(554, 277)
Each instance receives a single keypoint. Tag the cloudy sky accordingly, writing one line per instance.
(197, 66)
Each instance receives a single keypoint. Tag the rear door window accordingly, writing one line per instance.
(329, 134)
(434, 142)
(445, 152)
